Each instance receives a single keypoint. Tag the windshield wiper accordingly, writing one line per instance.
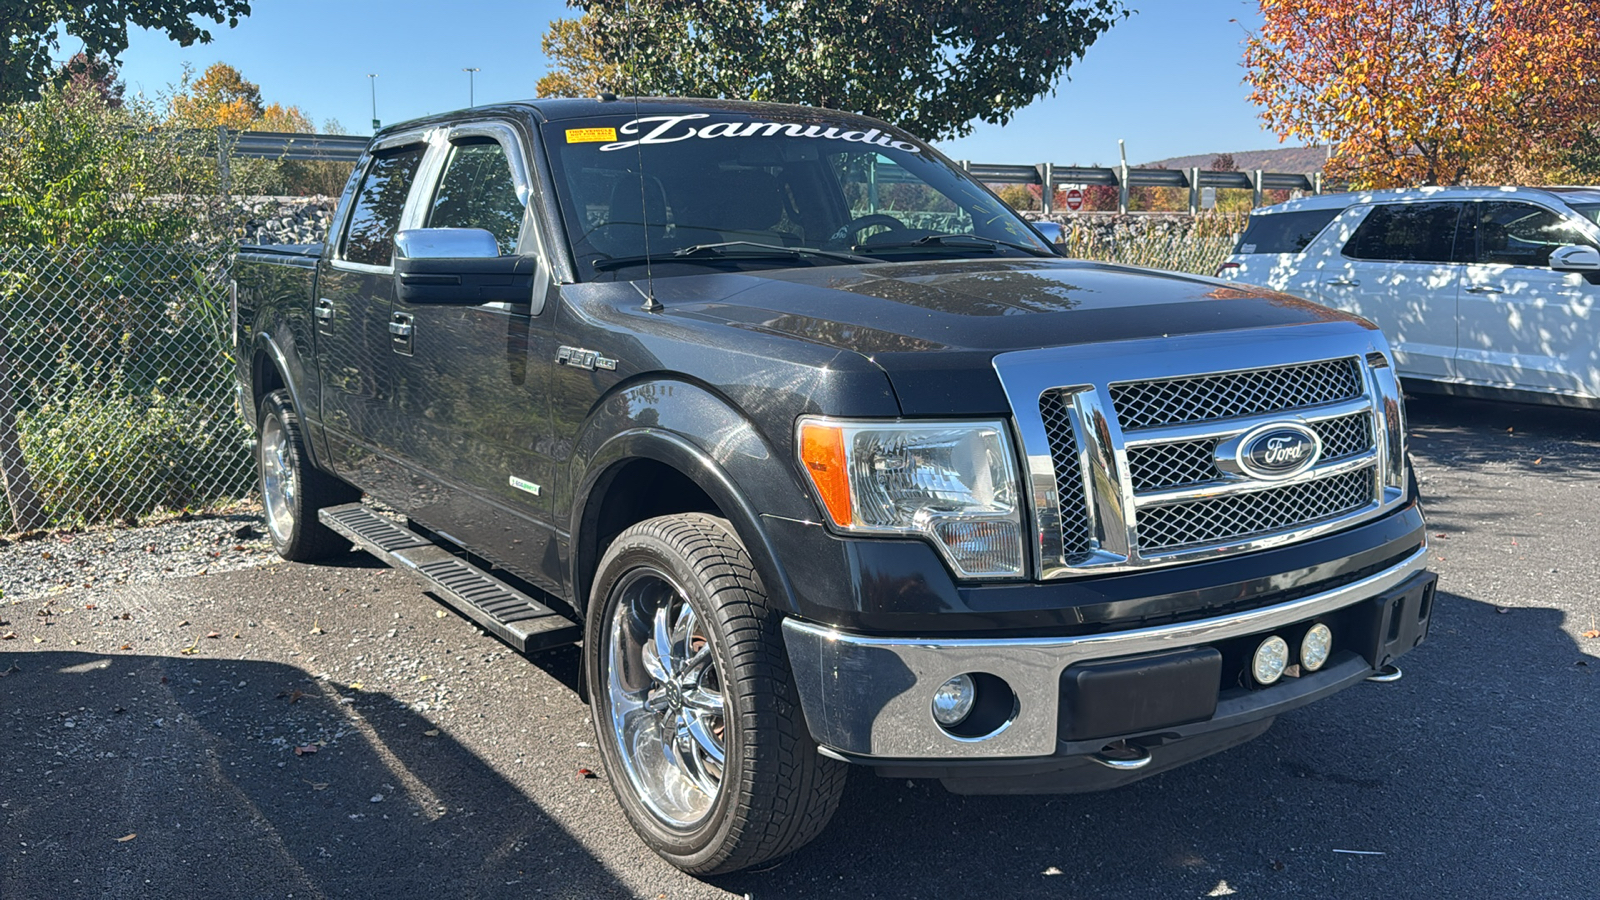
(957, 242)
(731, 250)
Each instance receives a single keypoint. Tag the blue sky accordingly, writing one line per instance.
(1167, 80)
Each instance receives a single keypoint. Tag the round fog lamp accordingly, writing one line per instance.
(1316, 646)
(1270, 660)
(953, 700)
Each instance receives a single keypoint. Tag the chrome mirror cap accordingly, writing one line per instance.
(446, 243)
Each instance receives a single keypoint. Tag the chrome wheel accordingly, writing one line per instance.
(277, 479)
(666, 699)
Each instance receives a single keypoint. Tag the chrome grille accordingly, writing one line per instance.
(1345, 436)
(1232, 517)
(1158, 466)
(1176, 401)
(1074, 507)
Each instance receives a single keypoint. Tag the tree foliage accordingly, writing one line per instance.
(33, 30)
(931, 66)
(577, 68)
(1430, 91)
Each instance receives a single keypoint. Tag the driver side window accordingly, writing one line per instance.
(477, 191)
(1520, 234)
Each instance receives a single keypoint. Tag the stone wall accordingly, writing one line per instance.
(282, 220)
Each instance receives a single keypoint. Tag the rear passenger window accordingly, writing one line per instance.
(1286, 232)
(1520, 234)
(379, 202)
(1407, 232)
(477, 191)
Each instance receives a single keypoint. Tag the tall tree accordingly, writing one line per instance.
(33, 28)
(578, 69)
(1429, 91)
(932, 66)
(92, 73)
(220, 96)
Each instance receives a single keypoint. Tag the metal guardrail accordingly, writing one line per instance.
(348, 148)
(1125, 177)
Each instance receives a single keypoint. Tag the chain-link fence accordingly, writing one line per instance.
(115, 394)
(1197, 245)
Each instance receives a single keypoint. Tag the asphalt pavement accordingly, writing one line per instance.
(331, 731)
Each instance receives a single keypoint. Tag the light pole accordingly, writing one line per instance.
(471, 73)
(372, 79)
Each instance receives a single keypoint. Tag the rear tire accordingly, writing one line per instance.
(292, 490)
(705, 744)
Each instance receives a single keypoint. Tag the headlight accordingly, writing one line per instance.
(952, 482)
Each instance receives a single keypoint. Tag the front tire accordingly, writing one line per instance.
(292, 490)
(694, 705)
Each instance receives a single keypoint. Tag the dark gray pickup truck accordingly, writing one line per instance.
(827, 458)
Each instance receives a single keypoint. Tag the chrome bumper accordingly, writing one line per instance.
(870, 696)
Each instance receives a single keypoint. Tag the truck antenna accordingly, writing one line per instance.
(651, 304)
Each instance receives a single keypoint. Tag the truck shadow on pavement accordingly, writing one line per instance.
(178, 777)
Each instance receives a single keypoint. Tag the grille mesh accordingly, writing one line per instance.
(1238, 516)
(1345, 436)
(1069, 476)
(1158, 466)
(1152, 404)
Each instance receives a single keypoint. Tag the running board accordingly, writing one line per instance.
(510, 614)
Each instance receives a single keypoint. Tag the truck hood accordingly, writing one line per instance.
(934, 327)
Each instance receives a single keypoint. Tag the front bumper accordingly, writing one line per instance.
(868, 699)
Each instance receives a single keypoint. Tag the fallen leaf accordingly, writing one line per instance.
(126, 647)
(438, 614)
(183, 623)
(127, 837)
(1539, 460)
(1592, 633)
(586, 773)
(213, 634)
(8, 636)
(306, 750)
(294, 696)
(1502, 610)
(317, 629)
(431, 732)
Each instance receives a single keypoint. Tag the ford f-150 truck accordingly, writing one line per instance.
(827, 458)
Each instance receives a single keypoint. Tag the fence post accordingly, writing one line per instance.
(1047, 176)
(27, 512)
(1256, 195)
(1122, 188)
(222, 159)
(1316, 182)
(965, 164)
(1194, 191)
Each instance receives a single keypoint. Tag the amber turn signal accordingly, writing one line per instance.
(822, 452)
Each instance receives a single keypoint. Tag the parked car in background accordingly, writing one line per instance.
(1484, 291)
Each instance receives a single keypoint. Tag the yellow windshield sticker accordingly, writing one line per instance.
(590, 135)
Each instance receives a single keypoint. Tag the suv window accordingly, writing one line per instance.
(477, 191)
(1521, 234)
(379, 202)
(1407, 232)
(1288, 232)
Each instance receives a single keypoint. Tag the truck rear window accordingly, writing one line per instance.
(1286, 232)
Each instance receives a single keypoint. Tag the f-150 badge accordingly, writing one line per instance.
(579, 358)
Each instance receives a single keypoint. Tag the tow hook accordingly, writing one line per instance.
(1123, 756)
(1386, 673)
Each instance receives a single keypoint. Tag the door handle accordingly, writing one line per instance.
(400, 329)
(324, 310)
(1343, 282)
(1485, 289)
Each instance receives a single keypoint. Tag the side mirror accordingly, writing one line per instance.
(458, 267)
(446, 243)
(1052, 232)
(1575, 258)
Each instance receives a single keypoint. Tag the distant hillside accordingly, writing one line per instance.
(1301, 160)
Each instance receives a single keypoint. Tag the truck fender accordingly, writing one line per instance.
(702, 437)
(265, 343)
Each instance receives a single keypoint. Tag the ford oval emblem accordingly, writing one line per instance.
(1277, 451)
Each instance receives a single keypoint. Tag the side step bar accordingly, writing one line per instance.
(515, 617)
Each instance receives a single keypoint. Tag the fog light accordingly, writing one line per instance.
(953, 700)
(1270, 660)
(1316, 646)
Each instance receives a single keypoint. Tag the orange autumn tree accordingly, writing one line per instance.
(1419, 92)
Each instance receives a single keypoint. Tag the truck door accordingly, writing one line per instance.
(355, 289)
(1397, 269)
(1524, 325)
(471, 396)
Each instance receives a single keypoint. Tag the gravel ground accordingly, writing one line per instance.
(330, 731)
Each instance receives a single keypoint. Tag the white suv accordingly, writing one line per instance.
(1484, 290)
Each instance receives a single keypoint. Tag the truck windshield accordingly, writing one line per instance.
(725, 190)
